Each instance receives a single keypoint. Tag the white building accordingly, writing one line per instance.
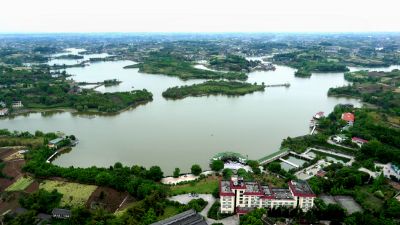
(3, 112)
(238, 196)
(17, 104)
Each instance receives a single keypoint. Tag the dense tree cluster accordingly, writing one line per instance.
(229, 88)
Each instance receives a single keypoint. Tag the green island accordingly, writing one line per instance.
(230, 88)
(233, 63)
(111, 82)
(37, 89)
(308, 62)
(69, 56)
(163, 63)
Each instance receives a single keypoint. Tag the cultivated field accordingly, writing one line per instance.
(73, 193)
(21, 184)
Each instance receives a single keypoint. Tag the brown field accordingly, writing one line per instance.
(111, 200)
(13, 170)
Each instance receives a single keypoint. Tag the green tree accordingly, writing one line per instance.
(217, 165)
(155, 173)
(149, 217)
(274, 167)
(196, 169)
(227, 173)
(177, 172)
(41, 201)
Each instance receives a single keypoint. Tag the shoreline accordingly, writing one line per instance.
(72, 111)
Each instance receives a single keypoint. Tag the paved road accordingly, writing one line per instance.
(185, 198)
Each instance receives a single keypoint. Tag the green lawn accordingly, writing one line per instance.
(168, 212)
(20, 184)
(73, 193)
(205, 186)
(368, 200)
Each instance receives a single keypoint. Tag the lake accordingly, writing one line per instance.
(183, 132)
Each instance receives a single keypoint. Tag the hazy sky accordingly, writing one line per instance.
(199, 16)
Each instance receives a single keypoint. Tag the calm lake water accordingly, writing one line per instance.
(180, 133)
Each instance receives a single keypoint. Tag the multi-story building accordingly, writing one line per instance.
(238, 196)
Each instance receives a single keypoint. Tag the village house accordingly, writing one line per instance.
(3, 112)
(17, 104)
(239, 196)
(349, 118)
(54, 143)
(339, 138)
(61, 213)
(358, 141)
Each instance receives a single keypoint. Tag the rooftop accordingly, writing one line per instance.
(349, 117)
(282, 193)
(57, 211)
(225, 188)
(187, 217)
(301, 188)
(253, 188)
(55, 141)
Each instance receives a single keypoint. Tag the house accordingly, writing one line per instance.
(319, 115)
(17, 104)
(188, 217)
(339, 138)
(61, 213)
(43, 218)
(348, 117)
(238, 196)
(358, 141)
(4, 112)
(55, 142)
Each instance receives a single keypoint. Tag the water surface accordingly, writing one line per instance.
(180, 133)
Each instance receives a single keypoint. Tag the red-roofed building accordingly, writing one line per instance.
(358, 141)
(238, 196)
(348, 117)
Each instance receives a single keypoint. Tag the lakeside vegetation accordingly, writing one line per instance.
(69, 56)
(167, 64)
(377, 88)
(38, 89)
(230, 88)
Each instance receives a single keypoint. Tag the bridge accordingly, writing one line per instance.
(278, 85)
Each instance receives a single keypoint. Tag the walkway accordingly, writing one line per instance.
(290, 163)
(274, 156)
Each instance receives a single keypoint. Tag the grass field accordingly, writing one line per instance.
(205, 186)
(73, 193)
(20, 184)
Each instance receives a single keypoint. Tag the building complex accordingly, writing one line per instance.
(239, 196)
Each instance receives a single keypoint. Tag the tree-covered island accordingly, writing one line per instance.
(38, 89)
(164, 63)
(230, 88)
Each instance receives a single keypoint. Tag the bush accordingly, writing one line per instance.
(214, 213)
